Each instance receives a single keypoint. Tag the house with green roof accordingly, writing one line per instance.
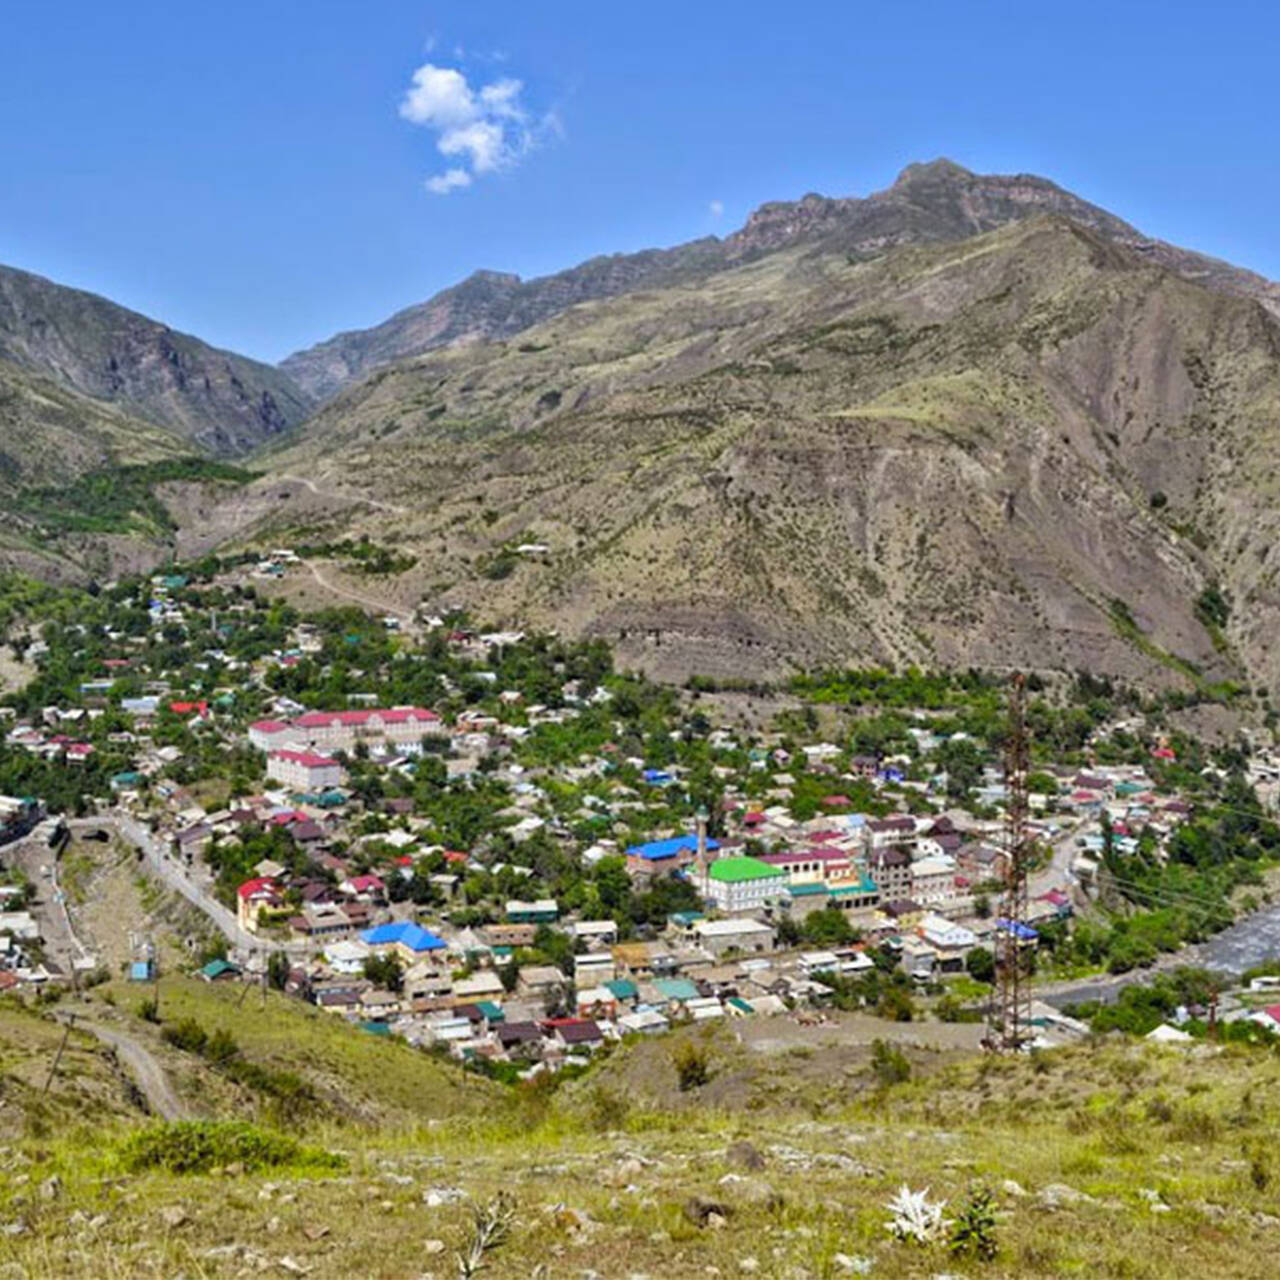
(741, 885)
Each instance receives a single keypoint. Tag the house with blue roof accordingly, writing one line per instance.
(411, 942)
(664, 855)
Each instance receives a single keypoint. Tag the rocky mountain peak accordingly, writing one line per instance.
(937, 170)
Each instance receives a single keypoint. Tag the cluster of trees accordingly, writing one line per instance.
(829, 927)
(886, 990)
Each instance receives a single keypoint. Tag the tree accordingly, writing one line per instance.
(896, 1005)
(980, 965)
(278, 970)
(693, 1065)
(385, 971)
(828, 927)
(962, 758)
(613, 884)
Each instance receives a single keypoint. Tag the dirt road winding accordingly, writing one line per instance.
(142, 1065)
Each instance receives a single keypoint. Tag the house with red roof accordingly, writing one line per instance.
(367, 888)
(814, 865)
(345, 730)
(1268, 1018)
(253, 897)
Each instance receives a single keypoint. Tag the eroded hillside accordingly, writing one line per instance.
(1028, 447)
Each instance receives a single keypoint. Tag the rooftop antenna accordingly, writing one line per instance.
(1010, 1025)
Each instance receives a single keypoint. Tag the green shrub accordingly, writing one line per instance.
(889, 1064)
(220, 1048)
(974, 1229)
(187, 1035)
(197, 1146)
(693, 1065)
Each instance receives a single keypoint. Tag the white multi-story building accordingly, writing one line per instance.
(303, 770)
(933, 881)
(740, 885)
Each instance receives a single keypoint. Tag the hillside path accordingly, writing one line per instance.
(142, 1065)
(344, 497)
(158, 863)
(367, 602)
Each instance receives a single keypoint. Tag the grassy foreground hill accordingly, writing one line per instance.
(1109, 1159)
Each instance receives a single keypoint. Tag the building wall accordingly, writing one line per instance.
(303, 777)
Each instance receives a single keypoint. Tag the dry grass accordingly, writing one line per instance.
(1125, 1127)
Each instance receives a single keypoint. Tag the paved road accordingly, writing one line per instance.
(58, 937)
(1058, 872)
(171, 873)
(142, 1065)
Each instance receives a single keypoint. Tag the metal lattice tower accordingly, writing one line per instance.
(1010, 1027)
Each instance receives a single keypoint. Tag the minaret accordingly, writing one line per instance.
(700, 858)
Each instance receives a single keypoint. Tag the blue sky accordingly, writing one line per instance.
(257, 172)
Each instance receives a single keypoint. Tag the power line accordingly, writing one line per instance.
(1171, 897)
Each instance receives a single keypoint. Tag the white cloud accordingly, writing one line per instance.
(716, 208)
(483, 142)
(484, 129)
(449, 180)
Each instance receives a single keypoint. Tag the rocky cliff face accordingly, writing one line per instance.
(1032, 447)
(220, 402)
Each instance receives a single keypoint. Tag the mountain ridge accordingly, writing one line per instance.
(946, 453)
(928, 202)
(220, 402)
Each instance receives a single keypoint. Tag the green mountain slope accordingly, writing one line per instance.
(219, 402)
(83, 486)
(1032, 446)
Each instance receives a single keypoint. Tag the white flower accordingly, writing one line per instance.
(915, 1216)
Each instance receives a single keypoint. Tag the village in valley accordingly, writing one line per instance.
(493, 845)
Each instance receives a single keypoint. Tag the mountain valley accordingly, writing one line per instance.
(968, 420)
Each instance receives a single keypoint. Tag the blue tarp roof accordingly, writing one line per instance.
(1023, 932)
(656, 850)
(413, 936)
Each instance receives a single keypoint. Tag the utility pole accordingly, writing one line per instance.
(57, 1057)
(1010, 1024)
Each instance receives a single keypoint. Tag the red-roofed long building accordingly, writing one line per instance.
(343, 730)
